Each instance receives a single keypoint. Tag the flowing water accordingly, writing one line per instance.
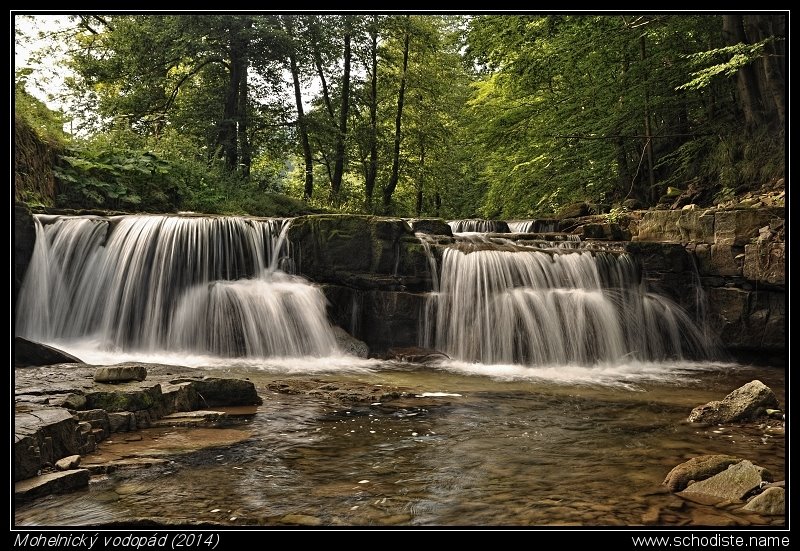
(478, 450)
(564, 401)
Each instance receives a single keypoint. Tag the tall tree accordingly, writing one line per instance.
(388, 190)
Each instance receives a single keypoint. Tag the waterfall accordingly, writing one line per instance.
(477, 225)
(541, 225)
(509, 303)
(150, 283)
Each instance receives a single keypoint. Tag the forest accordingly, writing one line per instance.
(451, 116)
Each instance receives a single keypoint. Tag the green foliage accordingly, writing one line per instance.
(118, 180)
(503, 116)
(48, 124)
(739, 55)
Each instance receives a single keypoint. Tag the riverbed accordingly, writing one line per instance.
(471, 445)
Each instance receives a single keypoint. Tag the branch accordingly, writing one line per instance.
(187, 76)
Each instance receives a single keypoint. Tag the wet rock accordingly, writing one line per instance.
(390, 319)
(30, 353)
(435, 226)
(120, 373)
(68, 401)
(190, 419)
(24, 242)
(349, 344)
(701, 517)
(98, 420)
(179, 397)
(51, 483)
(697, 468)
(128, 398)
(734, 483)
(68, 463)
(121, 421)
(212, 391)
(769, 502)
(41, 437)
(301, 520)
(416, 354)
(652, 515)
(746, 403)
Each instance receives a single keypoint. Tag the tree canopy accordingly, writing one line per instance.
(415, 115)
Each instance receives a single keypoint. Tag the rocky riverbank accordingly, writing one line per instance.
(63, 411)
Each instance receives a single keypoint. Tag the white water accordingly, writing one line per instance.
(208, 292)
(533, 226)
(154, 284)
(534, 308)
(477, 225)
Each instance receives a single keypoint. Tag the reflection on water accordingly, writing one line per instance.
(475, 451)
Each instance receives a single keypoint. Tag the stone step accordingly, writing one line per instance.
(50, 483)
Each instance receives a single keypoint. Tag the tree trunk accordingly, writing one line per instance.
(226, 136)
(421, 179)
(652, 194)
(372, 169)
(769, 70)
(746, 81)
(302, 126)
(388, 191)
(244, 139)
(315, 32)
(341, 136)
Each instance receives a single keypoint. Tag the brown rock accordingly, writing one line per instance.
(697, 468)
(769, 502)
(734, 483)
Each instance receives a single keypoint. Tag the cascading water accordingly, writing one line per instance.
(501, 303)
(165, 283)
(477, 225)
(541, 225)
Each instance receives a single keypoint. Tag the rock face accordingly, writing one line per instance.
(120, 373)
(24, 241)
(362, 252)
(740, 259)
(30, 353)
(746, 403)
(734, 483)
(697, 468)
(41, 437)
(435, 226)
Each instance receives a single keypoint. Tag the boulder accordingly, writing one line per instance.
(68, 463)
(734, 483)
(769, 502)
(697, 468)
(120, 373)
(349, 344)
(212, 392)
(746, 403)
(31, 353)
